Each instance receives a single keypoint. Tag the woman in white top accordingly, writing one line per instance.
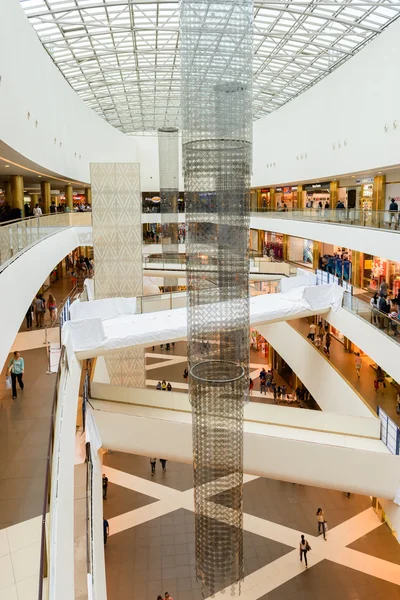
(304, 548)
(37, 211)
(321, 522)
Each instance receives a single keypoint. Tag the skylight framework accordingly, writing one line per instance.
(122, 56)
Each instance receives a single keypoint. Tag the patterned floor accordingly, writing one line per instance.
(151, 544)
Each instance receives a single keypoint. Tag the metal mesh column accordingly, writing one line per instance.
(169, 189)
(216, 63)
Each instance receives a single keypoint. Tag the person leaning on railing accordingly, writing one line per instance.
(37, 211)
(394, 213)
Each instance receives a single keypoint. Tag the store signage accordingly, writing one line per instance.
(364, 181)
(278, 189)
(317, 186)
(264, 190)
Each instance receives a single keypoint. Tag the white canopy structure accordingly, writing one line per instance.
(104, 326)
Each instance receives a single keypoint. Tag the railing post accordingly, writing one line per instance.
(398, 441)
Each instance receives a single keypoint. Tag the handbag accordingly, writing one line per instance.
(8, 382)
(326, 526)
(308, 547)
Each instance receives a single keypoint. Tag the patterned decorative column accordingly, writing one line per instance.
(168, 155)
(117, 247)
(216, 68)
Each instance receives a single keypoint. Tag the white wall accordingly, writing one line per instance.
(30, 82)
(354, 103)
(379, 242)
(324, 383)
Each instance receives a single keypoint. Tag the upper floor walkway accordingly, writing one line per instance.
(373, 232)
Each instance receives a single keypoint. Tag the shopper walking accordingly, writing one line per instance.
(317, 342)
(358, 364)
(16, 370)
(321, 522)
(106, 530)
(40, 309)
(28, 317)
(153, 462)
(163, 464)
(105, 486)
(52, 306)
(251, 386)
(313, 330)
(263, 381)
(304, 548)
(328, 341)
(185, 374)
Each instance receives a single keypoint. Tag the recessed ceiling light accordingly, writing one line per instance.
(6, 166)
(379, 172)
(39, 176)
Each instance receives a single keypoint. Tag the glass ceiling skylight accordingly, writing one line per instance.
(122, 56)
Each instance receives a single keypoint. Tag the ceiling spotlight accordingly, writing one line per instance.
(39, 176)
(386, 127)
(345, 142)
(334, 146)
(394, 124)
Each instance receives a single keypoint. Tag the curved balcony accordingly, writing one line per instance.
(372, 232)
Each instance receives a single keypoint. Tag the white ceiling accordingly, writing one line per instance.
(122, 56)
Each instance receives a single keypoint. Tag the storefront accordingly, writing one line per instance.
(366, 192)
(337, 261)
(314, 193)
(273, 245)
(300, 251)
(258, 343)
(378, 270)
(286, 198)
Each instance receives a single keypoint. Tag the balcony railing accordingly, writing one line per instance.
(386, 324)
(390, 432)
(380, 219)
(16, 236)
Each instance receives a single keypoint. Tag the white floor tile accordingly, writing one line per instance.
(9, 593)
(4, 546)
(28, 588)
(6, 572)
(25, 562)
(24, 534)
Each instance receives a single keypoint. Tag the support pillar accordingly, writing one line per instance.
(261, 234)
(46, 196)
(17, 195)
(88, 196)
(116, 191)
(7, 192)
(168, 155)
(34, 200)
(379, 193)
(356, 268)
(334, 193)
(316, 254)
(299, 203)
(285, 249)
(69, 204)
(272, 198)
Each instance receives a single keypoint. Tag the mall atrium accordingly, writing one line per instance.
(200, 198)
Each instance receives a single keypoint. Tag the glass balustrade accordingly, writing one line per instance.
(386, 324)
(381, 219)
(16, 236)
